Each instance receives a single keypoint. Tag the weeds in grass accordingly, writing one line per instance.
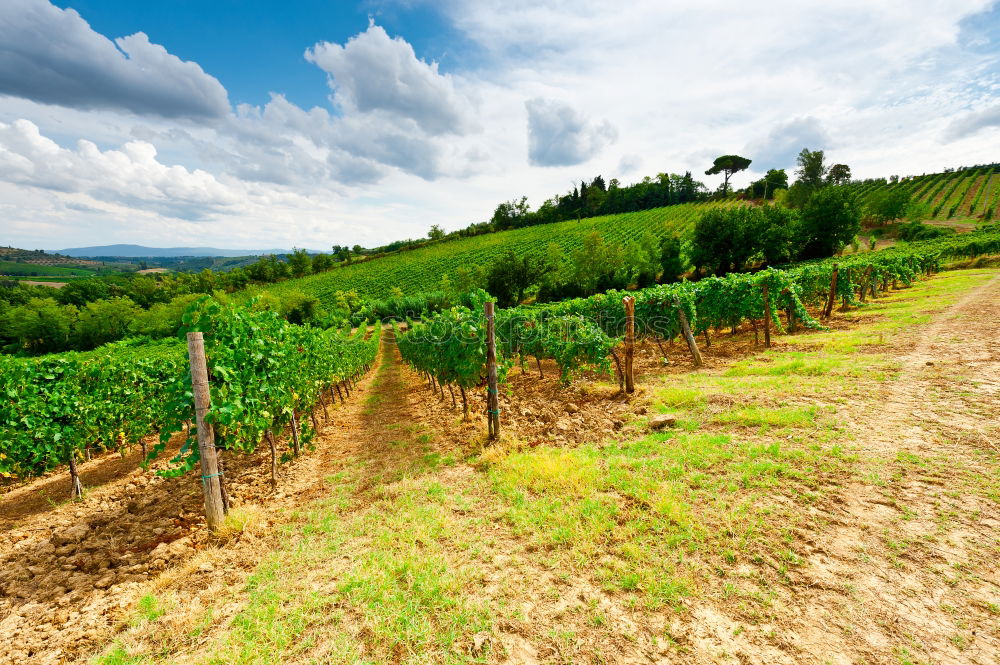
(119, 656)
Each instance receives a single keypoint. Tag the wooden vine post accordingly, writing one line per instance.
(492, 398)
(629, 303)
(843, 304)
(828, 311)
(211, 478)
(767, 319)
(686, 330)
(76, 487)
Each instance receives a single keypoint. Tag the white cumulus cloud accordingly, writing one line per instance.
(373, 72)
(559, 135)
(52, 55)
(130, 175)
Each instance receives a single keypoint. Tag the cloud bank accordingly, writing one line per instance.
(99, 131)
(51, 55)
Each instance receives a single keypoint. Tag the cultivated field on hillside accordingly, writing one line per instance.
(966, 195)
(834, 498)
(421, 270)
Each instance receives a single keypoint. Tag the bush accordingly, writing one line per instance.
(918, 231)
(830, 220)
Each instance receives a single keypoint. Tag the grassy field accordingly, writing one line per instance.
(33, 271)
(828, 500)
(422, 269)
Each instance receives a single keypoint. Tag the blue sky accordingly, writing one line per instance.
(255, 47)
(303, 123)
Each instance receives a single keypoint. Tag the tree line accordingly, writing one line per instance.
(814, 217)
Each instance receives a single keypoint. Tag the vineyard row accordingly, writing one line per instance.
(265, 376)
(451, 348)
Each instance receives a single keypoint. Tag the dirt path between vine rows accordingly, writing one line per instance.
(907, 570)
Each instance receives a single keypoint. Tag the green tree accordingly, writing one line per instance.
(766, 187)
(163, 319)
(322, 262)
(640, 262)
(839, 174)
(469, 278)
(830, 220)
(436, 232)
(81, 291)
(346, 303)
(279, 269)
(144, 290)
(105, 321)
(812, 168)
(300, 263)
(774, 233)
(721, 240)
(510, 214)
(728, 165)
(510, 276)
(671, 263)
(300, 308)
(594, 263)
(888, 204)
(42, 325)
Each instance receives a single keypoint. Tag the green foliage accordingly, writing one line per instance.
(962, 194)
(728, 239)
(105, 321)
(768, 186)
(672, 266)
(261, 369)
(24, 269)
(830, 220)
(467, 261)
(299, 263)
(721, 240)
(839, 174)
(811, 168)
(510, 275)
(575, 342)
(728, 165)
(41, 325)
(451, 345)
(888, 205)
(583, 332)
(917, 231)
(162, 319)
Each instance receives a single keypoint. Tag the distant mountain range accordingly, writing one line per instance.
(138, 251)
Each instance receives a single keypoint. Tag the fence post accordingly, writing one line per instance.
(492, 398)
(210, 477)
(686, 330)
(629, 303)
(828, 311)
(767, 319)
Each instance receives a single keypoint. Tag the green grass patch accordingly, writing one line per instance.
(119, 656)
(631, 511)
(676, 397)
(757, 416)
(796, 363)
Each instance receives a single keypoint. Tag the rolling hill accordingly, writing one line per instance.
(139, 251)
(421, 270)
